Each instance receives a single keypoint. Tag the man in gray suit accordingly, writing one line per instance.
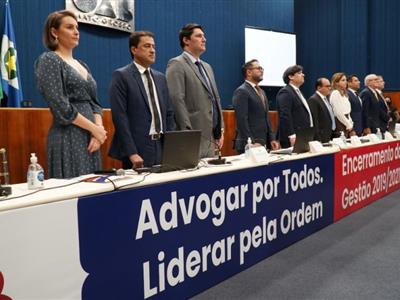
(193, 91)
(251, 109)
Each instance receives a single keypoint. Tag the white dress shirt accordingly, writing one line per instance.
(141, 70)
(341, 107)
(329, 108)
(304, 103)
(354, 92)
(380, 93)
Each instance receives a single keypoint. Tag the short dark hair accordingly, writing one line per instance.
(54, 21)
(290, 72)
(350, 77)
(134, 38)
(186, 31)
(246, 66)
(319, 83)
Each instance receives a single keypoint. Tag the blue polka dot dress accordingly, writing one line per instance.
(67, 93)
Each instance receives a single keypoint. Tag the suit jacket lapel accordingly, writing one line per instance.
(297, 97)
(138, 78)
(253, 92)
(159, 96)
(326, 110)
(213, 87)
(197, 72)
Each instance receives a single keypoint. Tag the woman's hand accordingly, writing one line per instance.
(99, 133)
(94, 145)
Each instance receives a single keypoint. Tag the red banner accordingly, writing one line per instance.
(365, 174)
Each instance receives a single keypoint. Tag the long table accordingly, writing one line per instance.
(172, 235)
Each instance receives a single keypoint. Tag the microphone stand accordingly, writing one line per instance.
(217, 161)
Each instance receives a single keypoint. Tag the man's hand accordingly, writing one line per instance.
(220, 142)
(275, 145)
(136, 160)
(292, 140)
(367, 131)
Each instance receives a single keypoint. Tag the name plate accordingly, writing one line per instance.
(388, 136)
(316, 147)
(258, 154)
(355, 140)
(373, 137)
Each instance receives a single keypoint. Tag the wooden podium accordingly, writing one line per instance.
(24, 131)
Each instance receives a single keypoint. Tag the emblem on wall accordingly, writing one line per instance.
(116, 14)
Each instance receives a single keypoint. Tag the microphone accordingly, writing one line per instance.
(113, 171)
(215, 161)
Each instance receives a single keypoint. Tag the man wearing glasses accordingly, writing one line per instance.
(323, 117)
(251, 109)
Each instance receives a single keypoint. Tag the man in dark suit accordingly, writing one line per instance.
(251, 109)
(370, 112)
(323, 117)
(353, 85)
(193, 91)
(294, 112)
(384, 111)
(140, 106)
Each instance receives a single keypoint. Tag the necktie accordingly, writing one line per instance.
(376, 95)
(384, 101)
(156, 115)
(306, 106)
(358, 97)
(260, 94)
(214, 102)
(329, 107)
(203, 74)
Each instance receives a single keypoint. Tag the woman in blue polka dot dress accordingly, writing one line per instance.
(66, 84)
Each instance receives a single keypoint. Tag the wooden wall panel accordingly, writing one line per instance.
(24, 130)
(229, 133)
(395, 96)
(108, 162)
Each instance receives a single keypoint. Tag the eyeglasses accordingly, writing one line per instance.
(257, 68)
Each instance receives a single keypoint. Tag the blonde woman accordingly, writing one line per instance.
(341, 105)
(66, 84)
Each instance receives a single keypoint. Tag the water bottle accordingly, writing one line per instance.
(35, 176)
(379, 133)
(343, 137)
(4, 174)
(247, 148)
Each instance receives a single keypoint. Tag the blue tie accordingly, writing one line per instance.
(329, 107)
(203, 74)
(214, 102)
